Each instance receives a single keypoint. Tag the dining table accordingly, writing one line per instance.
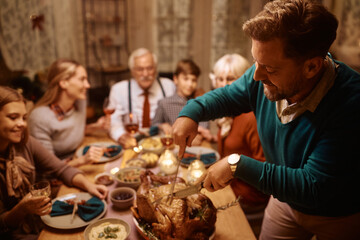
(230, 223)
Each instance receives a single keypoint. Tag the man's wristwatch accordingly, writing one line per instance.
(233, 159)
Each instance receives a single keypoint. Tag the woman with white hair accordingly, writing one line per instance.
(239, 134)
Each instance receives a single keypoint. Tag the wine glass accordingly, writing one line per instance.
(131, 124)
(107, 107)
(167, 140)
(41, 188)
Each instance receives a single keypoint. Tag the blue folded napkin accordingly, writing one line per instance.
(92, 208)
(206, 158)
(110, 151)
(154, 130)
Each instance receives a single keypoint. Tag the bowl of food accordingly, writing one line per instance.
(104, 179)
(136, 162)
(107, 228)
(150, 158)
(152, 144)
(129, 177)
(122, 197)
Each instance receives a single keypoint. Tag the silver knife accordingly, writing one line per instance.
(174, 181)
(183, 193)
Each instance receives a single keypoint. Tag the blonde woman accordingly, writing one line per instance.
(58, 119)
(239, 134)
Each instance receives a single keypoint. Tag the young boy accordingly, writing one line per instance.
(185, 79)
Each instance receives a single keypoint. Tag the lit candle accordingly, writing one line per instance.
(168, 162)
(195, 170)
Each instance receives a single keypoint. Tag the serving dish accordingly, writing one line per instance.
(111, 221)
(129, 177)
(152, 144)
(104, 179)
(148, 235)
(136, 162)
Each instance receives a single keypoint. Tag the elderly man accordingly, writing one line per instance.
(307, 110)
(139, 95)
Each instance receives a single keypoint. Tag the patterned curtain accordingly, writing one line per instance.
(34, 33)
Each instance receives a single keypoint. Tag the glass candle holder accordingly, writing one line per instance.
(168, 162)
(195, 170)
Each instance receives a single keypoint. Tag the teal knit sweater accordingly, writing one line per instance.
(313, 162)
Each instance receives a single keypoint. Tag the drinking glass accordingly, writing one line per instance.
(131, 124)
(167, 140)
(41, 188)
(107, 107)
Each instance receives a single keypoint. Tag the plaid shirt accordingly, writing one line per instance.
(168, 110)
(59, 113)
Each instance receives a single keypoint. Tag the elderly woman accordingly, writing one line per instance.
(58, 120)
(239, 134)
(22, 161)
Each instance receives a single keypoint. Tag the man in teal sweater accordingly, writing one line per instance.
(308, 117)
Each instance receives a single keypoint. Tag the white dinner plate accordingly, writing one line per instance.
(64, 221)
(79, 151)
(198, 150)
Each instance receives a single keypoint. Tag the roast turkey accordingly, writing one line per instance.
(192, 217)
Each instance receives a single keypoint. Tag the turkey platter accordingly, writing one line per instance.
(190, 218)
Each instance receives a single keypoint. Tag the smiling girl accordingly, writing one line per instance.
(23, 161)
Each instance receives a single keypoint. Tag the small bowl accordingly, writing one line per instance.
(152, 144)
(104, 178)
(136, 162)
(150, 158)
(122, 197)
(129, 177)
(116, 221)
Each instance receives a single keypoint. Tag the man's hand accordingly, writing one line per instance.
(184, 132)
(218, 176)
(127, 141)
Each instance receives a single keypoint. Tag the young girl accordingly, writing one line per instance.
(58, 120)
(23, 160)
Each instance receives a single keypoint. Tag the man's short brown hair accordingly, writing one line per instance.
(306, 27)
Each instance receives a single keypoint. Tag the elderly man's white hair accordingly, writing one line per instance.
(138, 53)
